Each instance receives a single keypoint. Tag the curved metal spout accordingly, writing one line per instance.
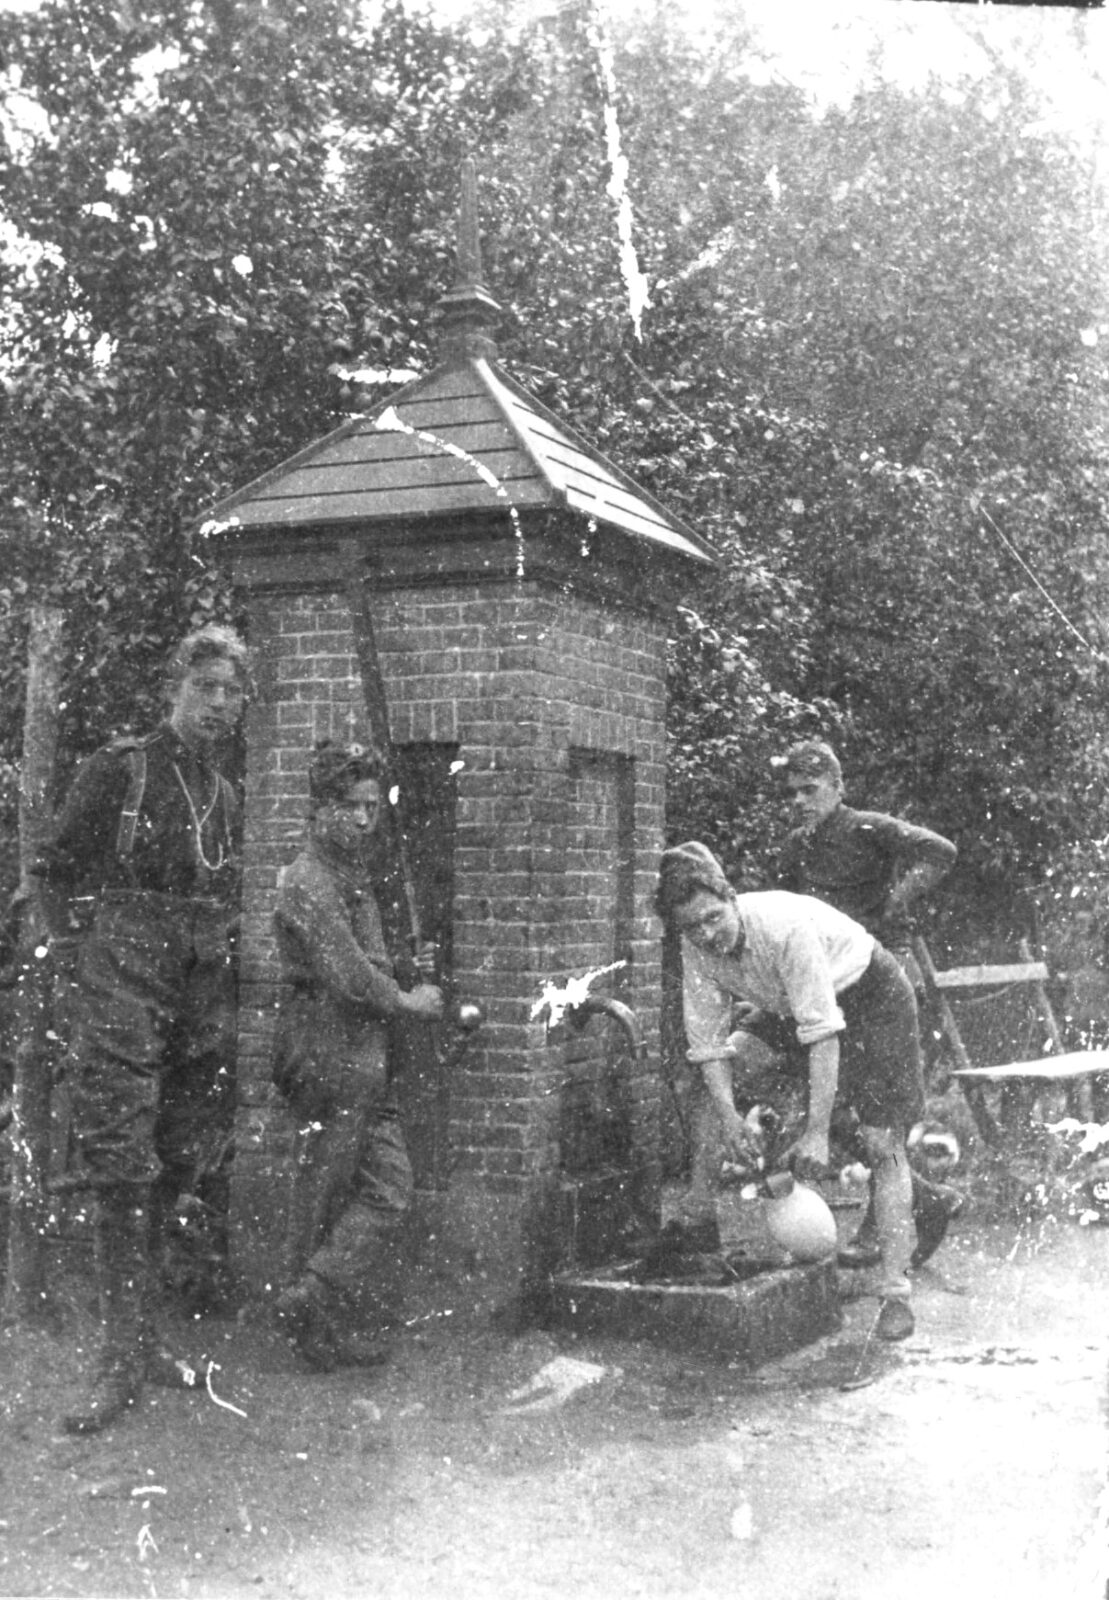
(605, 1005)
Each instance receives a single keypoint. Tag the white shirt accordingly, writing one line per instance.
(794, 955)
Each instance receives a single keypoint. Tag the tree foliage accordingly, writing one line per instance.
(872, 371)
(197, 272)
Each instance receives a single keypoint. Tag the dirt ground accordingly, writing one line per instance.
(968, 1462)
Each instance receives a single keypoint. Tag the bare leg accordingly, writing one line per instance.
(893, 1207)
(934, 1205)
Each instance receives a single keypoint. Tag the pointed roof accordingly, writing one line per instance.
(464, 439)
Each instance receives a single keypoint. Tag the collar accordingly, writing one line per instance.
(826, 824)
(353, 880)
(188, 757)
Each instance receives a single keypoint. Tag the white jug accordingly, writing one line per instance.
(799, 1220)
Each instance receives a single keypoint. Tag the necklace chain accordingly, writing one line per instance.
(199, 821)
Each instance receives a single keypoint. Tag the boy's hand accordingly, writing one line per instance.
(427, 962)
(809, 1158)
(425, 1001)
(741, 1145)
(746, 1015)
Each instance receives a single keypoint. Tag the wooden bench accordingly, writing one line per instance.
(1026, 1079)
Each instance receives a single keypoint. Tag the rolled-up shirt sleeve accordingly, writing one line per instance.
(806, 977)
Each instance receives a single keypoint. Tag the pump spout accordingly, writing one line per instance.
(604, 1005)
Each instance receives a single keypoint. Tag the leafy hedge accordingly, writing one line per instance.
(872, 372)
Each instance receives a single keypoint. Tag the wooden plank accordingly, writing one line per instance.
(577, 469)
(656, 532)
(974, 1093)
(596, 491)
(986, 977)
(437, 402)
(420, 472)
(543, 432)
(365, 505)
(1075, 1064)
(593, 492)
(474, 436)
(454, 382)
(591, 483)
(566, 457)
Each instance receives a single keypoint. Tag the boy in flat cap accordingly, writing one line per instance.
(353, 1183)
(817, 988)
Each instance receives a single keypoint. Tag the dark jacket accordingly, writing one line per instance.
(178, 843)
(854, 858)
(332, 1043)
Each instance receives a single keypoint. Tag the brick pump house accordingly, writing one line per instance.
(519, 588)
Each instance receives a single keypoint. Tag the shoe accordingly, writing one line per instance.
(307, 1325)
(861, 1251)
(932, 1224)
(895, 1320)
(361, 1350)
(205, 1294)
(113, 1391)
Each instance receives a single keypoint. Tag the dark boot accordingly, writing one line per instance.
(361, 1347)
(934, 1206)
(895, 1320)
(863, 1250)
(189, 1242)
(121, 1242)
(306, 1317)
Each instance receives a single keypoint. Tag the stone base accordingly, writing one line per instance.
(779, 1310)
(601, 1215)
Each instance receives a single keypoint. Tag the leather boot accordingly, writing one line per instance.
(305, 1315)
(863, 1250)
(121, 1275)
(361, 1347)
(935, 1205)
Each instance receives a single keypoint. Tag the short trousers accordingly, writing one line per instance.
(881, 1069)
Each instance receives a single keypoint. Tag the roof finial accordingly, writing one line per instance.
(469, 310)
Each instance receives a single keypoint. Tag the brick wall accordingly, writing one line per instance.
(556, 704)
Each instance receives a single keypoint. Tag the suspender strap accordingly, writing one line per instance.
(132, 804)
(228, 804)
